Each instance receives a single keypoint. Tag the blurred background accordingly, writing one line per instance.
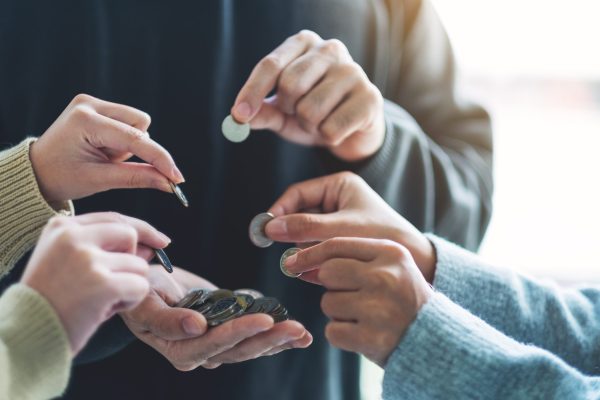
(535, 65)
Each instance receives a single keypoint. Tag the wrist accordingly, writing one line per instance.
(39, 170)
(421, 249)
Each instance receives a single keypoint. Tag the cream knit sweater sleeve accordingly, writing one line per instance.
(23, 209)
(35, 354)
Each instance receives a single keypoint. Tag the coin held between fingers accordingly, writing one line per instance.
(164, 260)
(234, 131)
(256, 230)
(179, 194)
(288, 253)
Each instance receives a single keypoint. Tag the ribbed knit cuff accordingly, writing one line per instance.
(23, 209)
(446, 353)
(36, 342)
(378, 166)
(467, 280)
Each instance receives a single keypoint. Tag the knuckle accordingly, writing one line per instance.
(146, 119)
(308, 111)
(350, 69)
(57, 222)
(327, 303)
(67, 236)
(82, 113)
(81, 98)
(135, 180)
(330, 133)
(288, 85)
(395, 250)
(271, 64)
(335, 244)
(183, 367)
(349, 176)
(211, 365)
(308, 36)
(333, 46)
(115, 217)
(305, 224)
(135, 134)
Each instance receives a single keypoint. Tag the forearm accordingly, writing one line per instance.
(437, 189)
(35, 354)
(23, 209)
(562, 321)
(449, 353)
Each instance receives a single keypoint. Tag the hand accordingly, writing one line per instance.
(87, 268)
(374, 292)
(322, 98)
(349, 207)
(181, 335)
(84, 150)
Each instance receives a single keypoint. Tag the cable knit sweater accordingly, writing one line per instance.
(35, 355)
(491, 333)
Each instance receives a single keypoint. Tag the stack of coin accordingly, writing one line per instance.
(222, 305)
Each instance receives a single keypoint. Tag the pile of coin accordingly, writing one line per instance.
(222, 305)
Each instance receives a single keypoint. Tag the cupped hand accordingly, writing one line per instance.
(85, 149)
(181, 335)
(322, 98)
(87, 268)
(341, 205)
(374, 292)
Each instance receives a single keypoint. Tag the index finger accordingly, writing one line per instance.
(147, 234)
(119, 136)
(265, 75)
(343, 248)
(318, 193)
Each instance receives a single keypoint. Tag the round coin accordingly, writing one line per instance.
(251, 292)
(234, 131)
(256, 230)
(263, 305)
(288, 253)
(164, 260)
(193, 297)
(179, 194)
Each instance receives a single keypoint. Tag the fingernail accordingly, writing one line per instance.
(290, 261)
(192, 327)
(164, 237)
(243, 111)
(276, 227)
(177, 173)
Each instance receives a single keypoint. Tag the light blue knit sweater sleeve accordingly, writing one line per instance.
(537, 341)
(448, 353)
(565, 322)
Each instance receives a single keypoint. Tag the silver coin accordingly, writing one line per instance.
(179, 193)
(164, 260)
(256, 230)
(255, 294)
(234, 131)
(288, 253)
(192, 298)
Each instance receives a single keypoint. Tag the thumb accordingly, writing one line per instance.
(129, 175)
(301, 228)
(169, 323)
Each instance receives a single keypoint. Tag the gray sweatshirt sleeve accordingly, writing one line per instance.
(564, 321)
(435, 167)
(447, 353)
